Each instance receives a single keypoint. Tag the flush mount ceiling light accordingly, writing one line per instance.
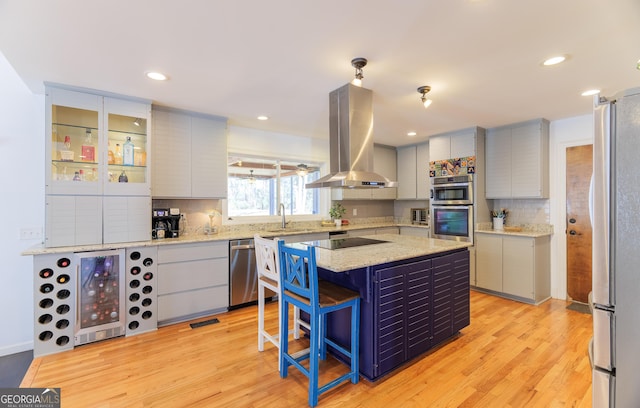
(302, 170)
(411, 134)
(263, 117)
(590, 92)
(157, 76)
(358, 64)
(554, 60)
(424, 90)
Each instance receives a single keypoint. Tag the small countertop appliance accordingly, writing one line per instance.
(165, 223)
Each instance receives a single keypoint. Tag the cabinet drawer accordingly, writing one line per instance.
(190, 252)
(185, 304)
(178, 277)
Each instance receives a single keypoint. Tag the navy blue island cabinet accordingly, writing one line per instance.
(407, 308)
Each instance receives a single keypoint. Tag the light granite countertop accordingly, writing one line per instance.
(528, 230)
(398, 247)
(233, 233)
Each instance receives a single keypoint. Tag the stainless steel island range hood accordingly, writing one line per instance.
(351, 141)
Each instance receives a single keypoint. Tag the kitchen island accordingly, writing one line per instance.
(414, 295)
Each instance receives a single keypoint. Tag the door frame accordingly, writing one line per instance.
(558, 207)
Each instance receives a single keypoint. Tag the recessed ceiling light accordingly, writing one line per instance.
(590, 92)
(263, 117)
(411, 134)
(554, 60)
(158, 76)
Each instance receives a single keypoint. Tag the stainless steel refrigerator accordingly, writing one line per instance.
(615, 216)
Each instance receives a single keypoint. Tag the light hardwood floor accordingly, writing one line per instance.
(512, 355)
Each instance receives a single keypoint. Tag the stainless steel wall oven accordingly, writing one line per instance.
(452, 190)
(452, 222)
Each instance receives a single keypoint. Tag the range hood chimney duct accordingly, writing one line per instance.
(351, 141)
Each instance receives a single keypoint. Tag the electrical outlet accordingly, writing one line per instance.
(31, 233)
(355, 212)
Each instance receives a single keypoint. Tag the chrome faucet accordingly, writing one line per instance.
(284, 221)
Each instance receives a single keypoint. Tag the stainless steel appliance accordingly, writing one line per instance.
(452, 222)
(243, 275)
(452, 190)
(351, 141)
(165, 223)
(420, 216)
(615, 217)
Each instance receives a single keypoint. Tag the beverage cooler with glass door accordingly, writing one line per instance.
(100, 311)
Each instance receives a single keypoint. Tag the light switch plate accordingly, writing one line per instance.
(31, 233)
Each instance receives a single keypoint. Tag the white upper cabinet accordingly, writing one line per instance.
(518, 160)
(87, 135)
(413, 172)
(97, 174)
(189, 155)
(452, 145)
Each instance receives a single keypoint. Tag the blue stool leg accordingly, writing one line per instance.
(284, 338)
(314, 348)
(355, 341)
(323, 334)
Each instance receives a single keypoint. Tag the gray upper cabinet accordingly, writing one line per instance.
(413, 172)
(518, 160)
(451, 145)
(189, 155)
(407, 173)
(384, 163)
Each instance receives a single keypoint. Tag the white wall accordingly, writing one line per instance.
(563, 133)
(21, 205)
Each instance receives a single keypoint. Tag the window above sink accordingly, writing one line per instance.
(257, 185)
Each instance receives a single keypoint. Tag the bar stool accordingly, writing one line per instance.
(268, 266)
(301, 288)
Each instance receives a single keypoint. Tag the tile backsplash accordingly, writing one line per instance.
(533, 211)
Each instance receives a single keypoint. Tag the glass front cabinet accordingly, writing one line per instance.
(97, 145)
(96, 152)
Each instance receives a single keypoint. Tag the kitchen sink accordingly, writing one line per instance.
(287, 230)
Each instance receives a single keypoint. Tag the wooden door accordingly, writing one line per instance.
(578, 225)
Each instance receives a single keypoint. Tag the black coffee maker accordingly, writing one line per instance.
(165, 223)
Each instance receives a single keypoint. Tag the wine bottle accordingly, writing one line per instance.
(88, 148)
(127, 156)
(118, 159)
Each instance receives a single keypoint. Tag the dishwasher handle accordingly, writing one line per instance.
(238, 247)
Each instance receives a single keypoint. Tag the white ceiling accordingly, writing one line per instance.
(281, 58)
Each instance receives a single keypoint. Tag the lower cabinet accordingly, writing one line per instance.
(373, 231)
(407, 308)
(516, 266)
(193, 280)
(415, 231)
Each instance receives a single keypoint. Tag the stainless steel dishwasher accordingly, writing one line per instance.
(243, 275)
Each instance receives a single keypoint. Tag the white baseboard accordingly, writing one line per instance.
(16, 348)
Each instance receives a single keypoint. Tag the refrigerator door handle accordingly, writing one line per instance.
(603, 339)
(600, 205)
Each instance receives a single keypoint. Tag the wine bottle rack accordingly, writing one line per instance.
(54, 308)
(141, 290)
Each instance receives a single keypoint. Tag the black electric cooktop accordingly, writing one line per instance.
(340, 243)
